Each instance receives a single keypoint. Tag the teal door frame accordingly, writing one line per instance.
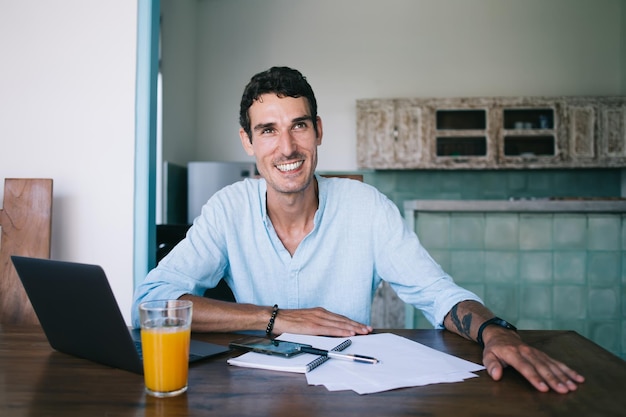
(144, 224)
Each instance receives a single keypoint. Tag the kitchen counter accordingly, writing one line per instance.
(530, 205)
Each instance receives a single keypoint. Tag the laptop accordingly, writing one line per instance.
(80, 315)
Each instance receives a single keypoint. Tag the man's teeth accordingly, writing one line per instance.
(289, 167)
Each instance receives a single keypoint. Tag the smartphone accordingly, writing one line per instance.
(268, 346)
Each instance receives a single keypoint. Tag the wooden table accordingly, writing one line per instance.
(37, 381)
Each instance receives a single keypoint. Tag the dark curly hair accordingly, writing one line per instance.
(282, 81)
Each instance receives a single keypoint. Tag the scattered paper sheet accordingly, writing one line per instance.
(404, 363)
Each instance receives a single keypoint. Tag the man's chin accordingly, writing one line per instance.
(290, 184)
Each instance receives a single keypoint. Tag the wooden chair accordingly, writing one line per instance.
(26, 224)
(357, 177)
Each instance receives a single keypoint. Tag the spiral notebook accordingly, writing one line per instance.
(302, 363)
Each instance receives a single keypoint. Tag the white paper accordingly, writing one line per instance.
(404, 363)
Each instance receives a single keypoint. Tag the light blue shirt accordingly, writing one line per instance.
(359, 238)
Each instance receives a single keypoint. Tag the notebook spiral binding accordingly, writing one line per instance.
(317, 362)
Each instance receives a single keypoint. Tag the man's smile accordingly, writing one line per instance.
(290, 166)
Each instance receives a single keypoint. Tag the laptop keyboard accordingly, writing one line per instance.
(138, 348)
(194, 357)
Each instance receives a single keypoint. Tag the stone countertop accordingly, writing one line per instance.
(531, 205)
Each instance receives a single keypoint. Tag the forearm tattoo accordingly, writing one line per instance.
(464, 324)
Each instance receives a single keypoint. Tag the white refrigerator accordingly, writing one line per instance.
(204, 178)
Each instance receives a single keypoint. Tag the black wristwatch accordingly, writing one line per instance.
(498, 322)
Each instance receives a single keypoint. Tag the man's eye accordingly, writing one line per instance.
(300, 125)
(267, 131)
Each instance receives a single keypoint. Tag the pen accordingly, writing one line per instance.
(337, 355)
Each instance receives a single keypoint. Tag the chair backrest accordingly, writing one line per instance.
(357, 177)
(26, 225)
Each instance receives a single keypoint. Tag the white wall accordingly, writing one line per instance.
(623, 47)
(352, 49)
(67, 97)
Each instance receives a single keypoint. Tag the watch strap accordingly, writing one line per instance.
(498, 322)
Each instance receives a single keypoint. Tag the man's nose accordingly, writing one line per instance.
(287, 143)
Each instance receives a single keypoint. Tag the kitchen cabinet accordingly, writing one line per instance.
(528, 133)
(596, 130)
(391, 134)
(491, 133)
(460, 133)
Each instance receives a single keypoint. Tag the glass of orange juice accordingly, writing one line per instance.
(165, 336)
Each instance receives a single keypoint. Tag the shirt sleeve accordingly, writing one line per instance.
(410, 270)
(198, 262)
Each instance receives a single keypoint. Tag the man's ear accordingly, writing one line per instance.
(320, 131)
(246, 142)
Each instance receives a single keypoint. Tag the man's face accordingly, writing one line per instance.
(283, 141)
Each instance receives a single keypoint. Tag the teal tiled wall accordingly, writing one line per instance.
(543, 271)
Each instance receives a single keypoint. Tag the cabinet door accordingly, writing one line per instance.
(389, 134)
(597, 133)
(460, 134)
(529, 134)
(375, 133)
(408, 135)
(581, 133)
(612, 133)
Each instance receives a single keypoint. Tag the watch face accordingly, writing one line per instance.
(506, 324)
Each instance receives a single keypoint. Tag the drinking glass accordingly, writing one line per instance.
(165, 337)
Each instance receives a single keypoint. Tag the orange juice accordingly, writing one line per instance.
(165, 358)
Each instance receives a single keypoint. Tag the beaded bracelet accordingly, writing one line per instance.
(270, 325)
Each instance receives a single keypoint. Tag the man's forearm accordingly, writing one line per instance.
(222, 316)
(466, 317)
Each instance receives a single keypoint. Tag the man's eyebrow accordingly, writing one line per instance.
(306, 118)
(263, 126)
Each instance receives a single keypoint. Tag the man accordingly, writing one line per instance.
(318, 247)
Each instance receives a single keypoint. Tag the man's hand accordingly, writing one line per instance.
(223, 316)
(504, 347)
(317, 321)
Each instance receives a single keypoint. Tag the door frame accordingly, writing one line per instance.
(144, 223)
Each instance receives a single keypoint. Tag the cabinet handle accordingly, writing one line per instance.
(395, 133)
